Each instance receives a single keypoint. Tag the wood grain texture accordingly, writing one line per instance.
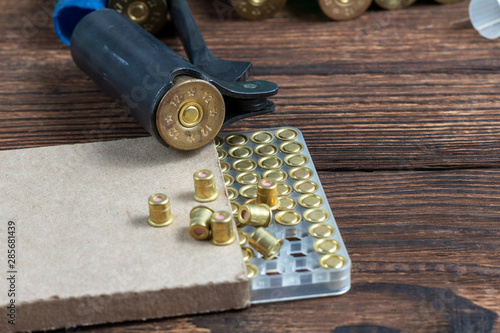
(423, 75)
(401, 115)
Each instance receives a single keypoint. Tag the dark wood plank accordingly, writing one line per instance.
(411, 89)
(425, 249)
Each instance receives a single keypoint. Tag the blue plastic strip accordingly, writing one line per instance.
(68, 13)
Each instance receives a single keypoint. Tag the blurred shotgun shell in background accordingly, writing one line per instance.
(394, 4)
(341, 10)
(149, 14)
(257, 9)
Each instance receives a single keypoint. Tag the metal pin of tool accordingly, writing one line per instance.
(204, 186)
(255, 215)
(160, 214)
(267, 193)
(221, 224)
(199, 227)
(265, 243)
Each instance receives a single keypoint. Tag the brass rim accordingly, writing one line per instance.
(190, 114)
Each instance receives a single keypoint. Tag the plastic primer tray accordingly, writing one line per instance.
(313, 261)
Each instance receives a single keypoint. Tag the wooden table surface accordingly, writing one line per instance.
(401, 113)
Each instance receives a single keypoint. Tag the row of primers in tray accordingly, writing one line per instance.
(286, 216)
(258, 213)
(260, 216)
(248, 179)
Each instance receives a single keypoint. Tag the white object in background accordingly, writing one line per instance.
(485, 17)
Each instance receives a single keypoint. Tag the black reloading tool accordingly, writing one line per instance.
(197, 51)
(181, 104)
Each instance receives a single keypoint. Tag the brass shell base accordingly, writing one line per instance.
(164, 224)
(212, 198)
(190, 114)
